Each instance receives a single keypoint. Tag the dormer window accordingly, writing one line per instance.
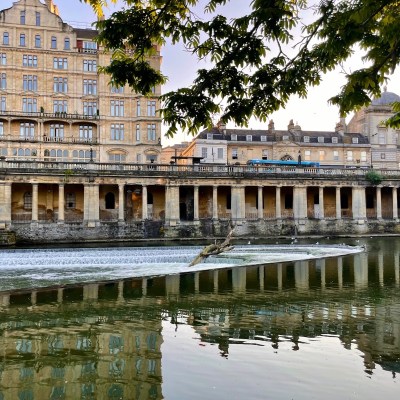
(263, 138)
(234, 137)
(320, 139)
(285, 137)
(354, 140)
(209, 136)
(334, 139)
(306, 139)
(249, 138)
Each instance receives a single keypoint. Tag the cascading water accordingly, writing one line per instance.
(34, 268)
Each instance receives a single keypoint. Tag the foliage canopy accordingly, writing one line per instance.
(257, 60)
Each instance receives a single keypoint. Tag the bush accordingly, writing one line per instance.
(373, 177)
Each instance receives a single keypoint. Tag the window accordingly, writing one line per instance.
(29, 60)
(117, 157)
(22, 39)
(85, 132)
(89, 108)
(151, 108)
(27, 206)
(138, 108)
(3, 81)
(3, 104)
(381, 138)
(249, 138)
(334, 139)
(307, 155)
(6, 38)
(38, 41)
(57, 131)
(209, 136)
(83, 155)
(117, 108)
(151, 132)
(363, 156)
(22, 17)
(70, 200)
(60, 85)
(234, 137)
(117, 90)
(67, 44)
(117, 131)
(321, 155)
(29, 83)
(3, 59)
(263, 138)
(349, 156)
(37, 16)
(306, 139)
(234, 154)
(89, 47)
(60, 106)
(89, 86)
(137, 132)
(285, 137)
(204, 152)
(264, 154)
(354, 140)
(27, 130)
(138, 158)
(320, 139)
(335, 155)
(60, 63)
(220, 153)
(29, 104)
(90, 65)
(383, 156)
(1, 128)
(53, 42)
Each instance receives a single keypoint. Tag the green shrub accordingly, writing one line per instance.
(373, 177)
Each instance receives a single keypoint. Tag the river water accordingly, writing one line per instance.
(324, 328)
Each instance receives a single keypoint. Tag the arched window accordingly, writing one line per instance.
(70, 201)
(110, 201)
(286, 158)
(28, 200)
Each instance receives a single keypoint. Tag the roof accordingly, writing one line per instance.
(85, 33)
(386, 99)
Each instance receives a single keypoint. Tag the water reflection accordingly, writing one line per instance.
(107, 340)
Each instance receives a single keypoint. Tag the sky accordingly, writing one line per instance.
(312, 113)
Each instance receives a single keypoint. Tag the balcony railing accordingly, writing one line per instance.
(44, 115)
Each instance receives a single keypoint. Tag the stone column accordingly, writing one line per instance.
(172, 205)
(279, 274)
(196, 282)
(5, 205)
(340, 272)
(321, 202)
(91, 213)
(261, 276)
(395, 205)
(215, 203)
(379, 202)
(238, 203)
(61, 195)
(300, 202)
(35, 202)
(278, 212)
(121, 203)
(216, 280)
(260, 210)
(144, 203)
(338, 204)
(359, 206)
(196, 203)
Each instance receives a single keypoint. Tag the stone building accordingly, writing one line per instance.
(53, 103)
(237, 146)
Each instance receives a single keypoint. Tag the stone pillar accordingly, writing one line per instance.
(121, 290)
(196, 203)
(278, 212)
(238, 203)
(144, 286)
(279, 274)
(300, 202)
(338, 204)
(380, 268)
(91, 213)
(144, 203)
(35, 202)
(91, 291)
(321, 264)
(216, 280)
(260, 210)
(321, 202)
(379, 202)
(121, 203)
(215, 203)
(395, 205)
(196, 282)
(34, 298)
(396, 268)
(60, 295)
(172, 205)
(5, 205)
(61, 200)
(340, 272)
(261, 276)
(301, 275)
(359, 206)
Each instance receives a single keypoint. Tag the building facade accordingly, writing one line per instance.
(53, 103)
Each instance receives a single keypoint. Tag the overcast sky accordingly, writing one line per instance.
(313, 113)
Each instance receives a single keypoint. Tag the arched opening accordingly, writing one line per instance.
(287, 157)
(110, 201)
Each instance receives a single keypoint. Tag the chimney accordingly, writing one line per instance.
(291, 126)
(341, 127)
(271, 126)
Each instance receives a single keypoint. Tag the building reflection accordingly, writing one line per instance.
(104, 340)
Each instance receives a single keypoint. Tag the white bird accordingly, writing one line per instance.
(317, 243)
(249, 242)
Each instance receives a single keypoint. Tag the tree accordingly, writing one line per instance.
(257, 60)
